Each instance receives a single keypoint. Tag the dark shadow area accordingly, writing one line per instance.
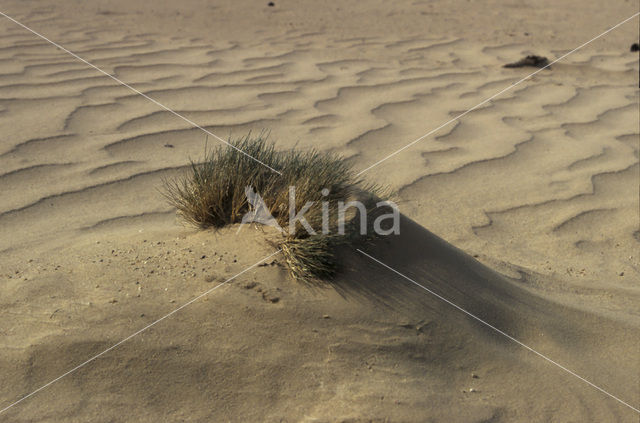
(451, 273)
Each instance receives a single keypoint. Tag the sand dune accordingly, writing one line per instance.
(540, 186)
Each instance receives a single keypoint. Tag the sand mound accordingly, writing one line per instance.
(265, 348)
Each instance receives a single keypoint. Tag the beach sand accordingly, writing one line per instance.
(523, 212)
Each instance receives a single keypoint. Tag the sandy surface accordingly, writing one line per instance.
(524, 212)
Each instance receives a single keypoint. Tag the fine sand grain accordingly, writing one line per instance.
(524, 213)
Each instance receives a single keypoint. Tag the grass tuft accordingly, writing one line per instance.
(212, 195)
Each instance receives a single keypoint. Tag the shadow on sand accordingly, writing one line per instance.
(565, 332)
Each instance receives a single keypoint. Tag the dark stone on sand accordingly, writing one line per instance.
(271, 4)
(532, 60)
(635, 47)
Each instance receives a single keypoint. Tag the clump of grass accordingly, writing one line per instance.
(213, 194)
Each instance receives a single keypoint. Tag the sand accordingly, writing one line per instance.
(524, 212)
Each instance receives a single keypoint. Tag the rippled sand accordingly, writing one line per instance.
(523, 212)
